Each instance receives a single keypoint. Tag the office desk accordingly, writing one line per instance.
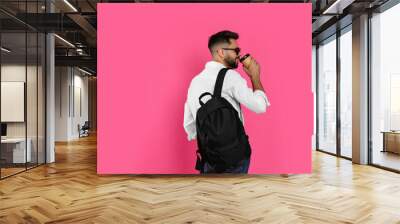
(13, 150)
(391, 141)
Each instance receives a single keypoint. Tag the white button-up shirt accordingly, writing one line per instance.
(234, 89)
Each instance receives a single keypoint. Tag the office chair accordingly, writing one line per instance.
(84, 130)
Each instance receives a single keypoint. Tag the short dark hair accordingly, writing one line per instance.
(221, 37)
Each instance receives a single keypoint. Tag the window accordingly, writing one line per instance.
(385, 88)
(346, 93)
(327, 95)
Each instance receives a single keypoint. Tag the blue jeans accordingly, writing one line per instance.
(242, 167)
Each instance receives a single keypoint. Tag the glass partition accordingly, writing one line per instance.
(22, 101)
(15, 152)
(327, 95)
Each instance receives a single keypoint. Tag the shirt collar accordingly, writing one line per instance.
(214, 65)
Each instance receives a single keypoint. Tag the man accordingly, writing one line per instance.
(225, 54)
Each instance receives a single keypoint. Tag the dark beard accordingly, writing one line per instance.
(232, 63)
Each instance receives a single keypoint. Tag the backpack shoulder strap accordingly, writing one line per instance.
(219, 82)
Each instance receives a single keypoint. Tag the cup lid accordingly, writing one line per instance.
(244, 57)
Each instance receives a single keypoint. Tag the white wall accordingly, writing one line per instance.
(61, 103)
(16, 72)
(70, 83)
(80, 89)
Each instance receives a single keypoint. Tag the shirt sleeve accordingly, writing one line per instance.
(255, 101)
(189, 123)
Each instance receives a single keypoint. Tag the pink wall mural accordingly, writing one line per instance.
(147, 56)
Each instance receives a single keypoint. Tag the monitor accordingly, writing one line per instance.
(3, 129)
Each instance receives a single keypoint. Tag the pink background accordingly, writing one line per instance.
(147, 56)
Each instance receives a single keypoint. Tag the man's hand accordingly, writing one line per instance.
(253, 70)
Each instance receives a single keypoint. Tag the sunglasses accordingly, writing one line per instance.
(237, 50)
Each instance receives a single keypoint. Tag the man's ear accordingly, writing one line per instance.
(220, 52)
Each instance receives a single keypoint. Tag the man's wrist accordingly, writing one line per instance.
(255, 78)
(256, 83)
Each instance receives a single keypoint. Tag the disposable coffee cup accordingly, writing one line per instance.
(245, 60)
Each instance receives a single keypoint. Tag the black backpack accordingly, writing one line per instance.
(221, 139)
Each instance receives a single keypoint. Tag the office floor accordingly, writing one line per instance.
(387, 159)
(10, 170)
(70, 191)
